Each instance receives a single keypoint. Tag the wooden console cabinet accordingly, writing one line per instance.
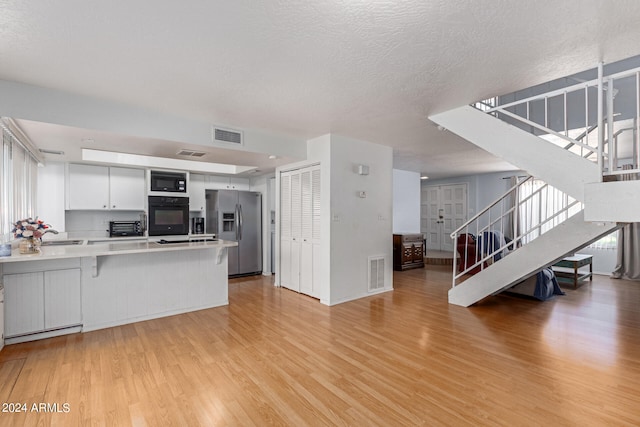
(407, 251)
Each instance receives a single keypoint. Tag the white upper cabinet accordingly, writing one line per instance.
(239, 183)
(197, 200)
(126, 189)
(215, 182)
(88, 187)
(92, 187)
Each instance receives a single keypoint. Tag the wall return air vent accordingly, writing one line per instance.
(376, 273)
(227, 135)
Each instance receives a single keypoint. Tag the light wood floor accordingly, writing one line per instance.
(273, 357)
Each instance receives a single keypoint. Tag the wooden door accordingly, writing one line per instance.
(418, 256)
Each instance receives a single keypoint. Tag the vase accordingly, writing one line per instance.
(29, 245)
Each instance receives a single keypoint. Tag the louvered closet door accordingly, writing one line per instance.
(306, 248)
(315, 204)
(310, 248)
(285, 230)
(296, 229)
(300, 230)
(315, 230)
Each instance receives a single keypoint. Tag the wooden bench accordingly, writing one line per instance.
(574, 262)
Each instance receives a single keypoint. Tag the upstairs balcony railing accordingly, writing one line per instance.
(526, 211)
(597, 119)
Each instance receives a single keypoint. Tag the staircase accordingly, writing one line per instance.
(585, 185)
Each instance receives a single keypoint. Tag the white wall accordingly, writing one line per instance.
(483, 188)
(406, 202)
(319, 151)
(604, 260)
(23, 101)
(95, 223)
(352, 227)
(360, 227)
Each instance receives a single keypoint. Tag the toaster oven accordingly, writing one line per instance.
(125, 228)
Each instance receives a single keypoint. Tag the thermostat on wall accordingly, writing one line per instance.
(363, 169)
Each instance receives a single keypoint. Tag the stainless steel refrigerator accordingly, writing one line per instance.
(237, 216)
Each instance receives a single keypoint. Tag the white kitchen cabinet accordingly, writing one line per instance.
(42, 301)
(88, 187)
(126, 189)
(216, 182)
(62, 306)
(91, 187)
(24, 303)
(239, 183)
(196, 187)
(300, 230)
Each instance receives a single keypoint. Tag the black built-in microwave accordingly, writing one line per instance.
(168, 182)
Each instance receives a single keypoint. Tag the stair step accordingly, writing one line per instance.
(439, 258)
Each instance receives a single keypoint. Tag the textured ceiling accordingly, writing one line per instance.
(372, 70)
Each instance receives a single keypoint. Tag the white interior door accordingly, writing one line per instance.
(443, 209)
(430, 221)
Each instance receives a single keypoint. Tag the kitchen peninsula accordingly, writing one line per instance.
(72, 288)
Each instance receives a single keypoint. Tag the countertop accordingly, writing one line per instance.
(105, 247)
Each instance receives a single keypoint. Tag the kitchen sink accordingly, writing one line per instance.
(61, 242)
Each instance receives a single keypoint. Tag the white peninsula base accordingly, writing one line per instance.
(67, 289)
(135, 287)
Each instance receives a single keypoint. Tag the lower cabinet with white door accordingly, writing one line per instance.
(42, 300)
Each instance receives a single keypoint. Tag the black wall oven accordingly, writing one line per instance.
(168, 215)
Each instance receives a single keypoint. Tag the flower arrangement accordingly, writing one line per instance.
(31, 228)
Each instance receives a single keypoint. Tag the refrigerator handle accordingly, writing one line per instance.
(241, 219)
(236, 221)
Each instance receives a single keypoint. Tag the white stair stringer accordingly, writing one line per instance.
(556, 166)
(555, 244)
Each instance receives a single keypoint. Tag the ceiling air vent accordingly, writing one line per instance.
(227, 135)
(190, 153)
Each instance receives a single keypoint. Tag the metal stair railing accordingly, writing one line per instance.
(569, 115)
(526, 211)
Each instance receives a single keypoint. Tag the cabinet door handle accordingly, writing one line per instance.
(114, 206)
(104, 206)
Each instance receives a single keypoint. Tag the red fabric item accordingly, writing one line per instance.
(466, 247)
